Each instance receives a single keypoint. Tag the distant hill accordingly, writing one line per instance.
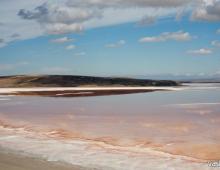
(184, 78)
(200, 81)
(76, 81)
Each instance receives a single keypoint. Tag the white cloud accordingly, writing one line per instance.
(11, 24)
(147, 20)
(216, 43)
(2, 42)
(125, 15)
(72, 15)
(39, 17)
(60, 28)
(128, 3)
(151, 39)
(179, 14)
(177, 36)
(70, 47)
(202, 51)
(119, 43)
(62, 40)
(59, 18)
(208, 10)
(218, 31)
(80, 54)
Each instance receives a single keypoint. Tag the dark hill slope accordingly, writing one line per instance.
(76, 81)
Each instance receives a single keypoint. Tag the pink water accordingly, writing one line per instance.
(159, 130)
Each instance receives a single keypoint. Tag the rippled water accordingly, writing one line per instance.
(157, 130)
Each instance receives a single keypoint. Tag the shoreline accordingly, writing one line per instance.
(17, 89)
(81, 91)
(10, 160)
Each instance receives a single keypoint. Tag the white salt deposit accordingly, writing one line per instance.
(14, 90)
(96, 154)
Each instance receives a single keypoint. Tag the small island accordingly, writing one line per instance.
(76, 86)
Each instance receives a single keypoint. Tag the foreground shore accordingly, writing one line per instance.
(12, 161)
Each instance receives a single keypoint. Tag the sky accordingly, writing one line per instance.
(110, 38)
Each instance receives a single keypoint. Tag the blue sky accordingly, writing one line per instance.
(145, 45)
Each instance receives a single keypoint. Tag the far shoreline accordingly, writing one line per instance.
(81, 91)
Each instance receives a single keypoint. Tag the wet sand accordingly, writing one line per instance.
(12, 161)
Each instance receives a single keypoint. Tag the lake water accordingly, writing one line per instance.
(156, 130)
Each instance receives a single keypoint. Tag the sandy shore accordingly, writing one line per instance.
(12, 161)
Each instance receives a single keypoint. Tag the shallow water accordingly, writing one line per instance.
(157, 130)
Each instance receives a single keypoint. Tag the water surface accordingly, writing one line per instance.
(157, 130)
